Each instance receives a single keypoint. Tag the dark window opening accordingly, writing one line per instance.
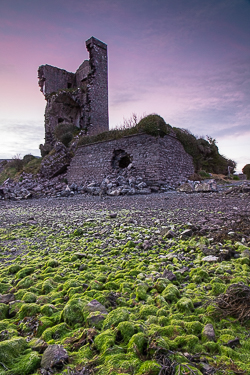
(69, 85)
(120, 159)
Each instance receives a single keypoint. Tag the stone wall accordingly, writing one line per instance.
(154, 159)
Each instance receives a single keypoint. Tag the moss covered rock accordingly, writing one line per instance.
(29, 297)
(171, 293)
(3, 311)
(149, 368)
(185, 305)
(105, 340)
(55, 332)
(138, 343)
(125, 330)
(115, 317)
(29, 309)
(73, 312)
(10, 350)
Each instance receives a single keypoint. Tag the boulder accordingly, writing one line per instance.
(185, 188)
(206, 186)
(55, 356)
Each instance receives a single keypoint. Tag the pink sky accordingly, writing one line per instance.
(187, 61)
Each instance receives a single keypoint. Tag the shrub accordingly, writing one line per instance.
(205, 153)
(236, 178)
(246, 170)
(16, 163)
(28, 158)
(153, 125)
(65, 133)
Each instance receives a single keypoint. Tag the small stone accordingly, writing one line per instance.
(169, 275)
(210, 258)
(94, 305)
(170, 234)
(95, 318)
(113, 215)
(55, 356)
(183, 270)
(245, 253)
(187, 233)
(208, 332)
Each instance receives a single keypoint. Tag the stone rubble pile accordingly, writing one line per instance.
(198, 186)
(29, 186)
(34, 187)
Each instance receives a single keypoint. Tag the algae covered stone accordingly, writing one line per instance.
(138, 343)
(185, 305)
(149, 368)
(48, 309)
(171, 293)
(125, 330)
(29, 309)
(115, 317)
(56, 332)
(11, 349)
(73, 311)
(29, 297)
(141, 292)
(3, 311)
(26, 364)
(147, 310)
(105, 340)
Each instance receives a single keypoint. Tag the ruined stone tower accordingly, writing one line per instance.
(80, 98)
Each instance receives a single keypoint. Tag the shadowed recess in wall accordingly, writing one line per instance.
(120, 159)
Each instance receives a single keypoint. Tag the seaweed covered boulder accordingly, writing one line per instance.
(16, 359)
(3, 311)
(73, 311)
(115, 317)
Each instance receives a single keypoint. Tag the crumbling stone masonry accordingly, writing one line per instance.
(157, 160)
(80, 98)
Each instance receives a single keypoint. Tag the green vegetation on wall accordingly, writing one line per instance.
(152, 124)
(65, 133)
(204, 152)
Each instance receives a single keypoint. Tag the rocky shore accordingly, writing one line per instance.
(131, 284)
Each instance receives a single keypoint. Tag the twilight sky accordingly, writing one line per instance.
(186, 60)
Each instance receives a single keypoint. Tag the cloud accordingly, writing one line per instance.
(233, 131)
(20, 137)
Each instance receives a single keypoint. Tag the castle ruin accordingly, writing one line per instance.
(79, 99)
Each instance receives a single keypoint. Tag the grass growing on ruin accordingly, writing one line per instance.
(204, 152)
(142, 321)
(152, 124)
